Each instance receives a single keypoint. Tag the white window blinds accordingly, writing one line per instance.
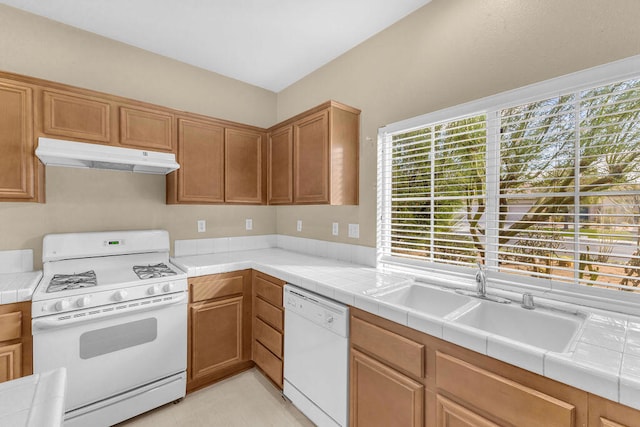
(548, 188)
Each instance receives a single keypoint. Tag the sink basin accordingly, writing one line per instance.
(433, 301)
(546, 329)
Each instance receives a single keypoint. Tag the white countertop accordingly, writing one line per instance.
(17, 287)
(604, 360)
(35, 400)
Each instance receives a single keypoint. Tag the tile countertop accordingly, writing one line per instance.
(17, 278)
(34, 401)
(17, 287)
(604, 359)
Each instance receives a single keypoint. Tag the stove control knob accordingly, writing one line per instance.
(120, 295)
(153, 290)
(63, 304)
(83, 301)
(168, 287)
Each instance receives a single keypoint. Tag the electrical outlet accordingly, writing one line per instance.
(354, 231)
(335, 228)
(248, 224)
(299, 225)
(202, 226)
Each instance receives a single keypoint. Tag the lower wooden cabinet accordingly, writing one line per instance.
(494, 396)
(605, 413)
(450, 414)
(402, 377)
(219, 327)
(16, 342)
(268, 325)
(382, 396)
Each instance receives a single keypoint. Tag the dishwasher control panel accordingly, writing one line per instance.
(320, 310)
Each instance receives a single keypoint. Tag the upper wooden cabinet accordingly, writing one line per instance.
(146, 129)
(20, 176)
(244, 179)
(200, 178)
(218, 163)
(280, 166)
(75, 116)
(324, 153)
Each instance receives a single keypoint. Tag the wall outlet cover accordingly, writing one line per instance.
(202, 226)
(248, 224)
(335, 228)
(354, 231)
(299, 225)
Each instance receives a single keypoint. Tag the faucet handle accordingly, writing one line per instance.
(527, 301)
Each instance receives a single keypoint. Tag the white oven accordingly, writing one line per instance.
(121, 334)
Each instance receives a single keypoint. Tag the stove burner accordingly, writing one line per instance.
(153, 271)
(63, 282)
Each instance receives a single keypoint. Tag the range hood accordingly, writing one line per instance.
(55, 152)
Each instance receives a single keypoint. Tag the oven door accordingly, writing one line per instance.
(113, 350)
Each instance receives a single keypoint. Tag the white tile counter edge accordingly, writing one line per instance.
(594, 366)
(35, 400)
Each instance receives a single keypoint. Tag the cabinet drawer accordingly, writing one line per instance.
(270, 364)
(500, 397)
(204, 288)
(269, 313)
(10, 326)
(394, 349)
(269, 291)
(268, 337)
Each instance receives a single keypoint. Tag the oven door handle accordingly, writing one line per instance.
(41, 325)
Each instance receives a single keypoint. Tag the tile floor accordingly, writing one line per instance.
(247, 399)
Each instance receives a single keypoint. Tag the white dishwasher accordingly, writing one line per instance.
(316, 356)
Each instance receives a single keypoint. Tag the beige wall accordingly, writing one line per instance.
(449, 52)
(89, 200)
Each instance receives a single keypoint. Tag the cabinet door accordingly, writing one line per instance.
(146, 129)
(243, 182)
(311, 159)
(381, 396)
(17, 162)
(216, 336)
(517, 405)
(450, 414)
(201, 159)
(76, 116)
(280, 166)
(10, 362)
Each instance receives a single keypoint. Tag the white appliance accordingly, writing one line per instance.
(316, 356)
(55, 152)
(112, 310)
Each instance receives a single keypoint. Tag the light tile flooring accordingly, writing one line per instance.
(247, 399)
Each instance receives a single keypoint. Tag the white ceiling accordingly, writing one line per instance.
(267, 43)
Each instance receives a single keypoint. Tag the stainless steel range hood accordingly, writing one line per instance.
(55, 152)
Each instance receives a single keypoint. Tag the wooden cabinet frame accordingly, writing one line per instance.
(16, 342)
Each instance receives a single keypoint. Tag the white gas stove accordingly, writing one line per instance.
(112, 309)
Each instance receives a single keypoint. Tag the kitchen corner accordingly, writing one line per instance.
(598, 362)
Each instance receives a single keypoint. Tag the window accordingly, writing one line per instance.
(542, 182)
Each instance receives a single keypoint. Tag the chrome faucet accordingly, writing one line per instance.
(481, 281)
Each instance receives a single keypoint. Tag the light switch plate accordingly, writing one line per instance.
(299, 225)
(248, 224)
(335, 228)
(354, 231)
(202, 226)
